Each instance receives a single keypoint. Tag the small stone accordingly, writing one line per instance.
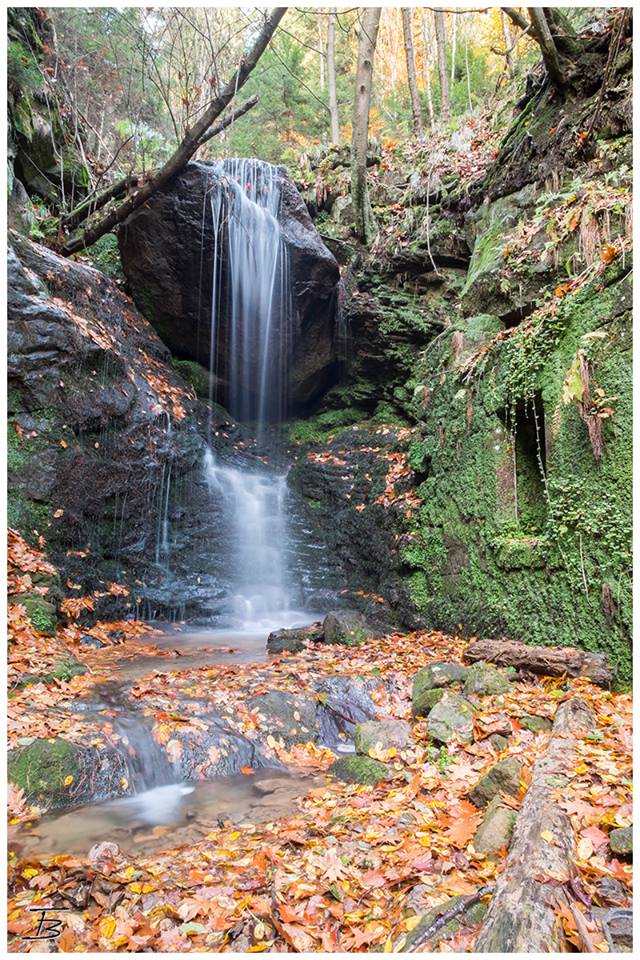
(503, 777)
(498, 742)
(451, 719)
(382, 734)
(265, 787)
(618, 923)
(484, 680)
(496, 828)
(535, 724)
(431, 678)
(356, 769)
(621, 840)
(346, 627)
(293, 639)
(612, 893)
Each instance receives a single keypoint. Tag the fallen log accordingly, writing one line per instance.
(522, 915)
(548, 661)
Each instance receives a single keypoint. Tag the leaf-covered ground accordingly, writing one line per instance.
(352, 868)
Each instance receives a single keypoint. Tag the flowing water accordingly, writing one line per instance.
(266, 575)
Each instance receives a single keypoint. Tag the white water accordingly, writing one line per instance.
(262, 589)
(251, 279)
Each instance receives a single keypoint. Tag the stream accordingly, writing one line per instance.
(267, 571)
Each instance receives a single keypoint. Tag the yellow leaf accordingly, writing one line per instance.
(258, 948)
(29, 872)
(107, 927)
(388, 947)
(547, 836)
(412, 922)
(68, 780)
(234, 835)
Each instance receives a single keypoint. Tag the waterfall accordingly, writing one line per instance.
(250, 291)
(251, 338)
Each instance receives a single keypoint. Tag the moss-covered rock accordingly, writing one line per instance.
(381, 735)
(451, 719)
(356, 769)
(621, 840)
(503, 777)
(494, 832)
(194, 374)
(423, 701)
(534, 723)
(346, 627)
(46, 769)
(484, 680)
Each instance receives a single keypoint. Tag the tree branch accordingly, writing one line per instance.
(191, 141)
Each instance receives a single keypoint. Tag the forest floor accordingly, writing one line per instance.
(351, 867)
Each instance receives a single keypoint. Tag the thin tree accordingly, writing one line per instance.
(365, 224)
(508, 42)
(194, 138)
(441, 45)
(331, 76)
(416, 111)
(426, 42)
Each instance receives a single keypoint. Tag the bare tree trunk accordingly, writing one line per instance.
(441, 44)
(506, 33)
(364, 222)
(192, 140)
(322, 53)
(454, 32)
(426, 40)
(547, 45)
(416, 112)
(331, 77)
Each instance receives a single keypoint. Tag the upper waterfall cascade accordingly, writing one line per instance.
(251, 280)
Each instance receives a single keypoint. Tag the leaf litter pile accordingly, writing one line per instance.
(353, 867)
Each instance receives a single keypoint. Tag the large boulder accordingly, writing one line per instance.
(293, 639)
(167, 248)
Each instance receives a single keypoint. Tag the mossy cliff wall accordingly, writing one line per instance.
(515, 380)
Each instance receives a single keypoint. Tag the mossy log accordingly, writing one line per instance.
(547, 661)
(522, 916)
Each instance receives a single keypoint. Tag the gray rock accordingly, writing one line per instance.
(451, 719)
(346, 627)
(618, 927)
(484, 680)
(383, 734)
(218, 751)
(293, 639)
(292, 718)
(496, 828)
(433, 677)
(163, 241)
(621, 840)
(504, 776)
(498, 742)
(343, 702)
(612, 893)
(356, 769)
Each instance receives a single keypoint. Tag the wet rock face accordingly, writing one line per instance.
(167, 255)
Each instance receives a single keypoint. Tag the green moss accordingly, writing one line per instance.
(41, 768)
(17, 455)
(356, 769)
(319, 428)
(194, 374)
(105, 253)
(26, 516)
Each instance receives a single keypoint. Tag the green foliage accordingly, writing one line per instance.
(105, 253)
(23, 72)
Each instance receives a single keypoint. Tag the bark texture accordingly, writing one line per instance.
(416, 112)
(547, 661)
(522, 915)
(331, 77)
(441, 43)
(364, 220)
